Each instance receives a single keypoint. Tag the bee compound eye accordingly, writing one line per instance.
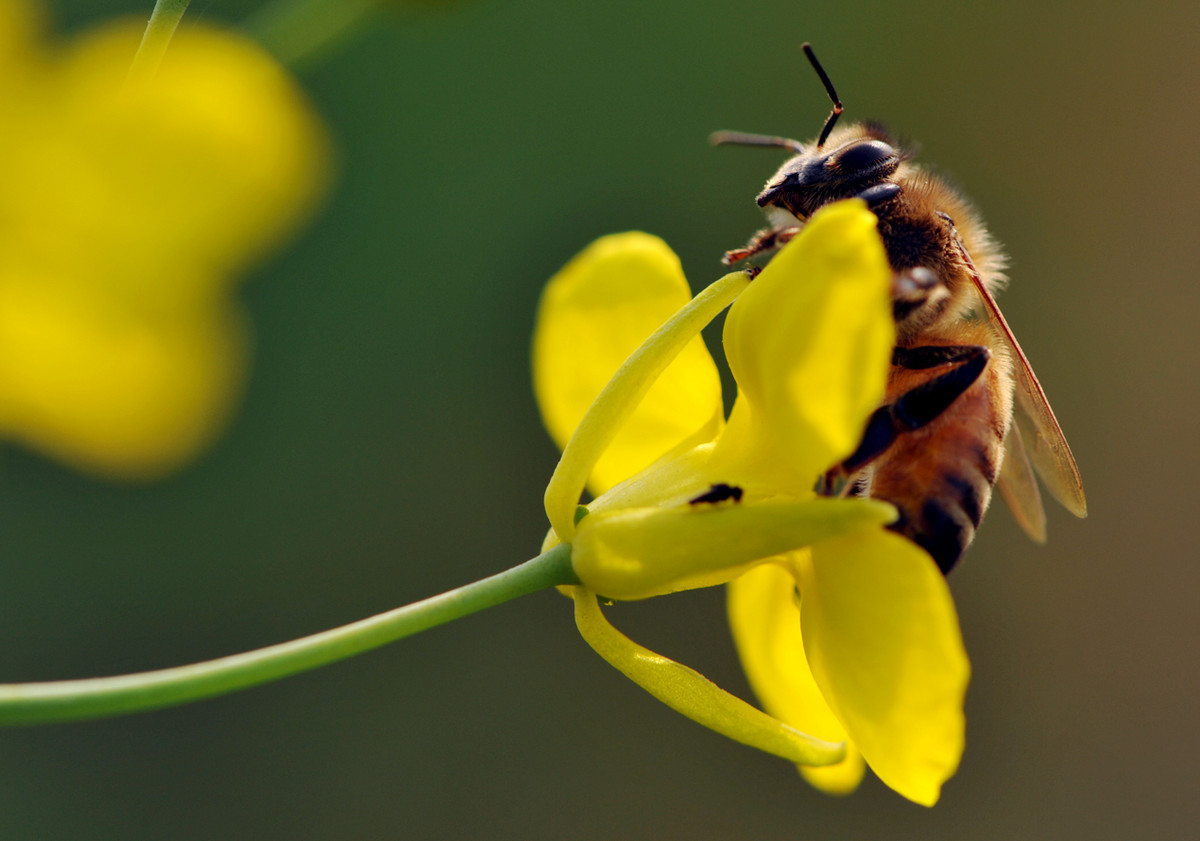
(863, 156)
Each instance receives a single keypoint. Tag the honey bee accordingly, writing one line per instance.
(947, 431)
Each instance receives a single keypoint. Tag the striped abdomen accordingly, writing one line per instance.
(940, 476)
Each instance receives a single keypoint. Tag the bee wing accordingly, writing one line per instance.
(1048, 449)
(1019, 488)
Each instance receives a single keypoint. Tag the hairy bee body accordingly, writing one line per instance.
(944, 436)
(940, 476)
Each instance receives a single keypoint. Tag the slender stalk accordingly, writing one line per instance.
(300, 31)
(32, 703)
(163, 22)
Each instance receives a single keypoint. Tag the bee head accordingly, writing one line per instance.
(860, 164)
(859, 167)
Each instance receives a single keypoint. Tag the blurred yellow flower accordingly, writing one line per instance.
(127, 208)
(853, 641)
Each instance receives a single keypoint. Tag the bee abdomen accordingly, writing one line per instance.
(944, 521)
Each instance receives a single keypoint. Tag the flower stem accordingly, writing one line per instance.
(32, 703)
(163, 21)
(300, 31)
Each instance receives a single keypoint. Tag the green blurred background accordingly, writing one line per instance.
(389, 446)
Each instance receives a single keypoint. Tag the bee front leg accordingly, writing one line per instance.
(915, 408)
(767, 239)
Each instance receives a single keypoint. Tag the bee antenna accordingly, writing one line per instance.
(837, 103)
(740, 138)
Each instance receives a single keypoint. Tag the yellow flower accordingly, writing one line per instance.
(127, 208)
(853, 642)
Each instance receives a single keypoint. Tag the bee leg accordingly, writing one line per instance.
(767, 239)
(915, 289)
(919, 406)
(931, 356)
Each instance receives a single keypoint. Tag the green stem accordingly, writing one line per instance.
(300, 31)
(32, 703)
(163, 21)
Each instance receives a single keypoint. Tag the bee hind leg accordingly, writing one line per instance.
(914, 408)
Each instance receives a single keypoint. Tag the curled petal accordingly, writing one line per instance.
(635, 553)
(620, 397)
(884, 645)
(765, 619)
(809, 344)
(695, 696)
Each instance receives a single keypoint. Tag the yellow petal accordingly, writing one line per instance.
(211, 160)
(635, 553)
(128, 208)
(809, 344)
(884, 645)
(19, 24)
(695, 696)
(765, 620)
(95, 385)
(623, 393)
(840, 779)
(595, 313)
